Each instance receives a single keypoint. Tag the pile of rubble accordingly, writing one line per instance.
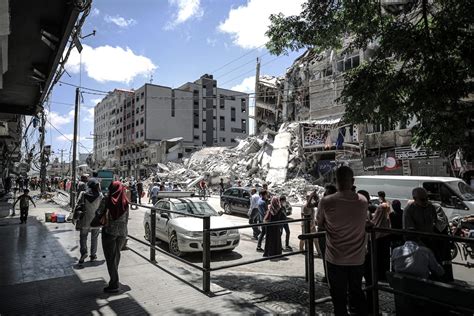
(271, 158)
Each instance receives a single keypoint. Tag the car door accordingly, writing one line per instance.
(234, 199)
(162, 220)
(245, 201)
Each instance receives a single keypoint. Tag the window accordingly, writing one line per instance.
(221, 102)
(141, 133)
(223, 139)
(142, 95)
(232, 114)
(142, 108)
(222, 123)
(141, 120)
(232, 140)
(234, 192)
(196, 137)
(136, 135)
(136, 124)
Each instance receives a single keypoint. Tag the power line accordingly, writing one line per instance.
(250, 71)
(67, 138)
(238, 58)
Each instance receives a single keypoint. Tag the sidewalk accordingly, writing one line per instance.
(40, 275)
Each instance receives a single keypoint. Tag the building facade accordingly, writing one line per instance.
(199, 113)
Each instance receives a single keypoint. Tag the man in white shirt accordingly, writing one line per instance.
(253, 214)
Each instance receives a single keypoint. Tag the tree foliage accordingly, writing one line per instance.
(422, 65)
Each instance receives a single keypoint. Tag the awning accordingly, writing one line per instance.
(33, 35)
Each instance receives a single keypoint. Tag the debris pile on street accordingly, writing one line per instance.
(272, 158)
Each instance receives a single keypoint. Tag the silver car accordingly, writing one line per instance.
(184, 233)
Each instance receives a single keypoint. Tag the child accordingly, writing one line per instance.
(24, 205)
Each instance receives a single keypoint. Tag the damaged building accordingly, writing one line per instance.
(309, 94)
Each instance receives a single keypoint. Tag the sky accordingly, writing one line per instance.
(168, 42)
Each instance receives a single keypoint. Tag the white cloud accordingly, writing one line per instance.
(95, 101)
(58, 120)
(187, 9)
(248, 23)
(119, 21)
(107, 63)
(88, 114)
(247, 85)
(95, 12)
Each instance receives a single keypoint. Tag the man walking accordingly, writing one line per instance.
(253, 212)
(140, 190)
(262, 209)
(344, 215)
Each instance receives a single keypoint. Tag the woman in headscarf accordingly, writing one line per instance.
(273, 243)
(90, 201)
(381, 219)
(396, 222)
(114, 232)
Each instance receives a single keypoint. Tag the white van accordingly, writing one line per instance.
(453, 194)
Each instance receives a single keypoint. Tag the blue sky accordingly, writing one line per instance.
(171, 41)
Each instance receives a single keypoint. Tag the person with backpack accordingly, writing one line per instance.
(24, 205)
(88, 202)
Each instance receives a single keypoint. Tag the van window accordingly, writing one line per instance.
(234, 192)
(440, 192)
(394, 189)
(466, 192)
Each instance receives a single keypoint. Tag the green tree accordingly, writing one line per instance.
(422, 66)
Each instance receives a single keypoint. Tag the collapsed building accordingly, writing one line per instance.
(309, 94)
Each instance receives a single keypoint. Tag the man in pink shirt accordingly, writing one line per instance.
(343, 215)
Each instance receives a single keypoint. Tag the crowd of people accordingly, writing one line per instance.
(345, 214)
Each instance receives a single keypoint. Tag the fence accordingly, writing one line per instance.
(375, 287)
(206, 245)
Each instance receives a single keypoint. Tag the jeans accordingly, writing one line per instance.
(83, 240)
(261, 236)
(344, 278)
(112, 245)
(255, 219)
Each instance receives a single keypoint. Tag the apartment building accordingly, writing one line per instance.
(108, 128)
(199, 112)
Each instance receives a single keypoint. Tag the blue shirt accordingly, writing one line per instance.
(262, 207)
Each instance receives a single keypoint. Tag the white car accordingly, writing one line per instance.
(184, 233)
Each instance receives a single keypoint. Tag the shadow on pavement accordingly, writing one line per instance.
(37, 277)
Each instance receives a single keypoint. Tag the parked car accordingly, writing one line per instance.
(237, 200)
(184, 233)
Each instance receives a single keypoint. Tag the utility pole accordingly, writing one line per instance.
(62, 166)
(257, 77)
(43, 154)
(74, 151)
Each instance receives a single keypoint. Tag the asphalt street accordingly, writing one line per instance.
(290, 266)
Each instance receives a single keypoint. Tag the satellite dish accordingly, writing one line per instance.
(390, 162)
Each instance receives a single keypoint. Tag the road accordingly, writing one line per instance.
(291, 266)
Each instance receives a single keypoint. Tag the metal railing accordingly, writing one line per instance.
(206, 245)
(375, 287)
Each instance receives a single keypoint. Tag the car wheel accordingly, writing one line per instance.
(147, 232)
(173, 246)
(227, 209)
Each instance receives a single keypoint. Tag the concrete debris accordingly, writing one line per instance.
(274, 158)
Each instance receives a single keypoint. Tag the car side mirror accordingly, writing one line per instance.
(165, 215)
(220, 213)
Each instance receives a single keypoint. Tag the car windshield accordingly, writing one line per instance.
(196, 208)
(466, 191)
